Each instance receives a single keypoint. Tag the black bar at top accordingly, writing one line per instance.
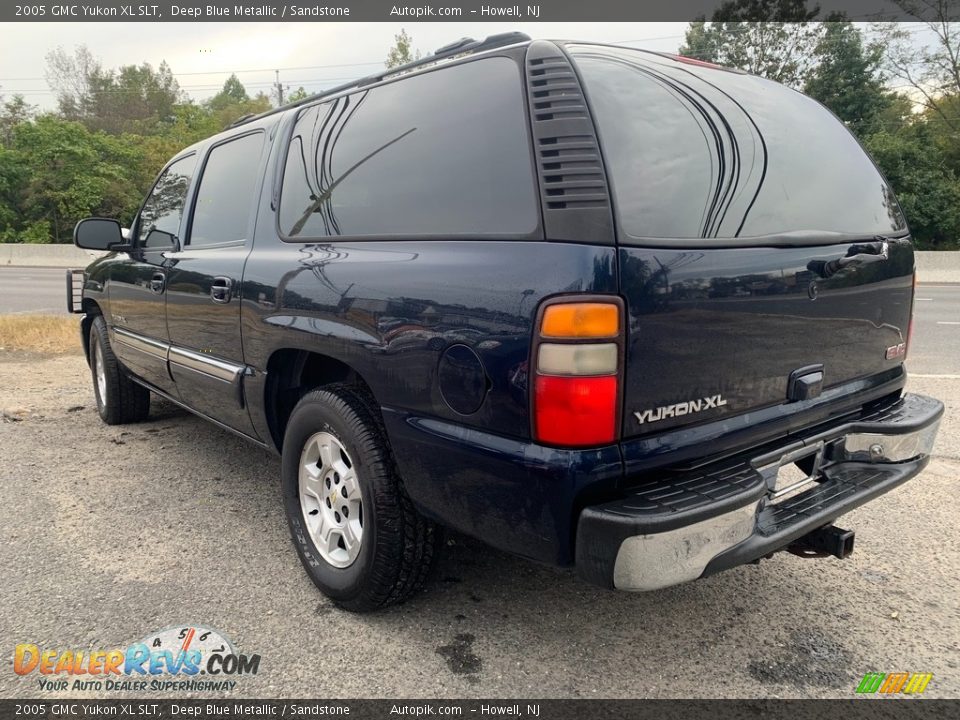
(443, 11)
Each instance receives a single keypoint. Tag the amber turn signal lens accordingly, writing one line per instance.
(581, 320)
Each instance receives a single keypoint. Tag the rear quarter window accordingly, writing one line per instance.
(445, 153)
(695, 152)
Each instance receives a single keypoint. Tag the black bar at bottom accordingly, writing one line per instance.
(862, 707)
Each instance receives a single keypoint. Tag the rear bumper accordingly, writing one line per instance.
(682, 526)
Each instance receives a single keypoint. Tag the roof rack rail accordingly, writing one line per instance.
(462, 46)
(241, 120)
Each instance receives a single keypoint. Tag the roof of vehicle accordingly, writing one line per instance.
(457, 49)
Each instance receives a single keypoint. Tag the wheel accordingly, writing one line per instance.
(119, 399)
(354, 527)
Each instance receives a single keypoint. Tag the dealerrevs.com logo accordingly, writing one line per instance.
(187, 658)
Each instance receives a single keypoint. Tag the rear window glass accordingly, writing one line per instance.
(696, 152)
(444, 153)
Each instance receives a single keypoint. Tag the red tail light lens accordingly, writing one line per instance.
(575, 411)
(577, 365)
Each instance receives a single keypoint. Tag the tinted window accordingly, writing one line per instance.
(443, 153)
(225, 197)
(701, 152)
(160, 217)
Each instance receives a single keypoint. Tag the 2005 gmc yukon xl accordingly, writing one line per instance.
(595, 306)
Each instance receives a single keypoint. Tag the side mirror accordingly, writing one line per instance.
(161, 240)
(98, 234)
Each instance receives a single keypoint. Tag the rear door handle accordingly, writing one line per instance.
(866, 253)
(222, 289)
(158, 282)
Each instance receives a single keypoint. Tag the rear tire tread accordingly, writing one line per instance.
(408, 545)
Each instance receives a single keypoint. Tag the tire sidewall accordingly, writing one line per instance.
(98, 350)
(313, 416)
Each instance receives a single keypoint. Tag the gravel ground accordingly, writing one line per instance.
(109, 533)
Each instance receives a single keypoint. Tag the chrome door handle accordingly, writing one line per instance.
(222, 289)
(158, 282)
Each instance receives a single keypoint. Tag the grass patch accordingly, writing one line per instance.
(51, 334)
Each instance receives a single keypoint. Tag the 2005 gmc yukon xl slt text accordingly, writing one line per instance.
(594, 306)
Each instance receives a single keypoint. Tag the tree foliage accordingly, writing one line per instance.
(772, 38)
(847, 78)
(100, 152)
(402, 51)
(58, 171)
(930, 70)
(133, 98)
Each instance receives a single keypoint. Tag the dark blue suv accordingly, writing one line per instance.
(598, 307)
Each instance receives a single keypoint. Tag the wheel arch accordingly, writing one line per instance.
(291, 373)
(91, 309)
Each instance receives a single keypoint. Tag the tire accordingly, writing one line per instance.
(119, 399)
(379, 550)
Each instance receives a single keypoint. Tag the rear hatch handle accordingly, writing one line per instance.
(857, 254)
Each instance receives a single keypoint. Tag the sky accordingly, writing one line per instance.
(202, 55)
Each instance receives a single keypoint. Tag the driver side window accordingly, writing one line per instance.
(160, 217)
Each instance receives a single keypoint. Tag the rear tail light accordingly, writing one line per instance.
(580, 320)
(578, 357)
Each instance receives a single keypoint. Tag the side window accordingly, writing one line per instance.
(443, 153)
(225, 197)
(160, 217)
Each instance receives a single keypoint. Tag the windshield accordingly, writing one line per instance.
(701, 152)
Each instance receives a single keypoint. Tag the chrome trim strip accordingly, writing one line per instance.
(651, 562)
(146, 345)
(198, 362)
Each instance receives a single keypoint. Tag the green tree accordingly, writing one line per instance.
(930, 70)
(846, 77)
(402, 51)
(233, 93)
(299, 94)
(14, 111)
(771, 38)
(13, 176)
(927, 188)
(133, 98)
(66, 173)
(231, 104)
(69, 75)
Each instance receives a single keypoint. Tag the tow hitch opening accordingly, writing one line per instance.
(828, 540)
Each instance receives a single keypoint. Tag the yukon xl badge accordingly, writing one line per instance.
(678, 409)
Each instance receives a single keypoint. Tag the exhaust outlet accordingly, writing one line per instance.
(828, 540)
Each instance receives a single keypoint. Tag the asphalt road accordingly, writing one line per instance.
(935, 347)
(32, 290)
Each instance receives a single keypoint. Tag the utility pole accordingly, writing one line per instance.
(279, 89)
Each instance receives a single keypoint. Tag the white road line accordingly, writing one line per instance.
(933, 377)
(947, 322)
(925, 299)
